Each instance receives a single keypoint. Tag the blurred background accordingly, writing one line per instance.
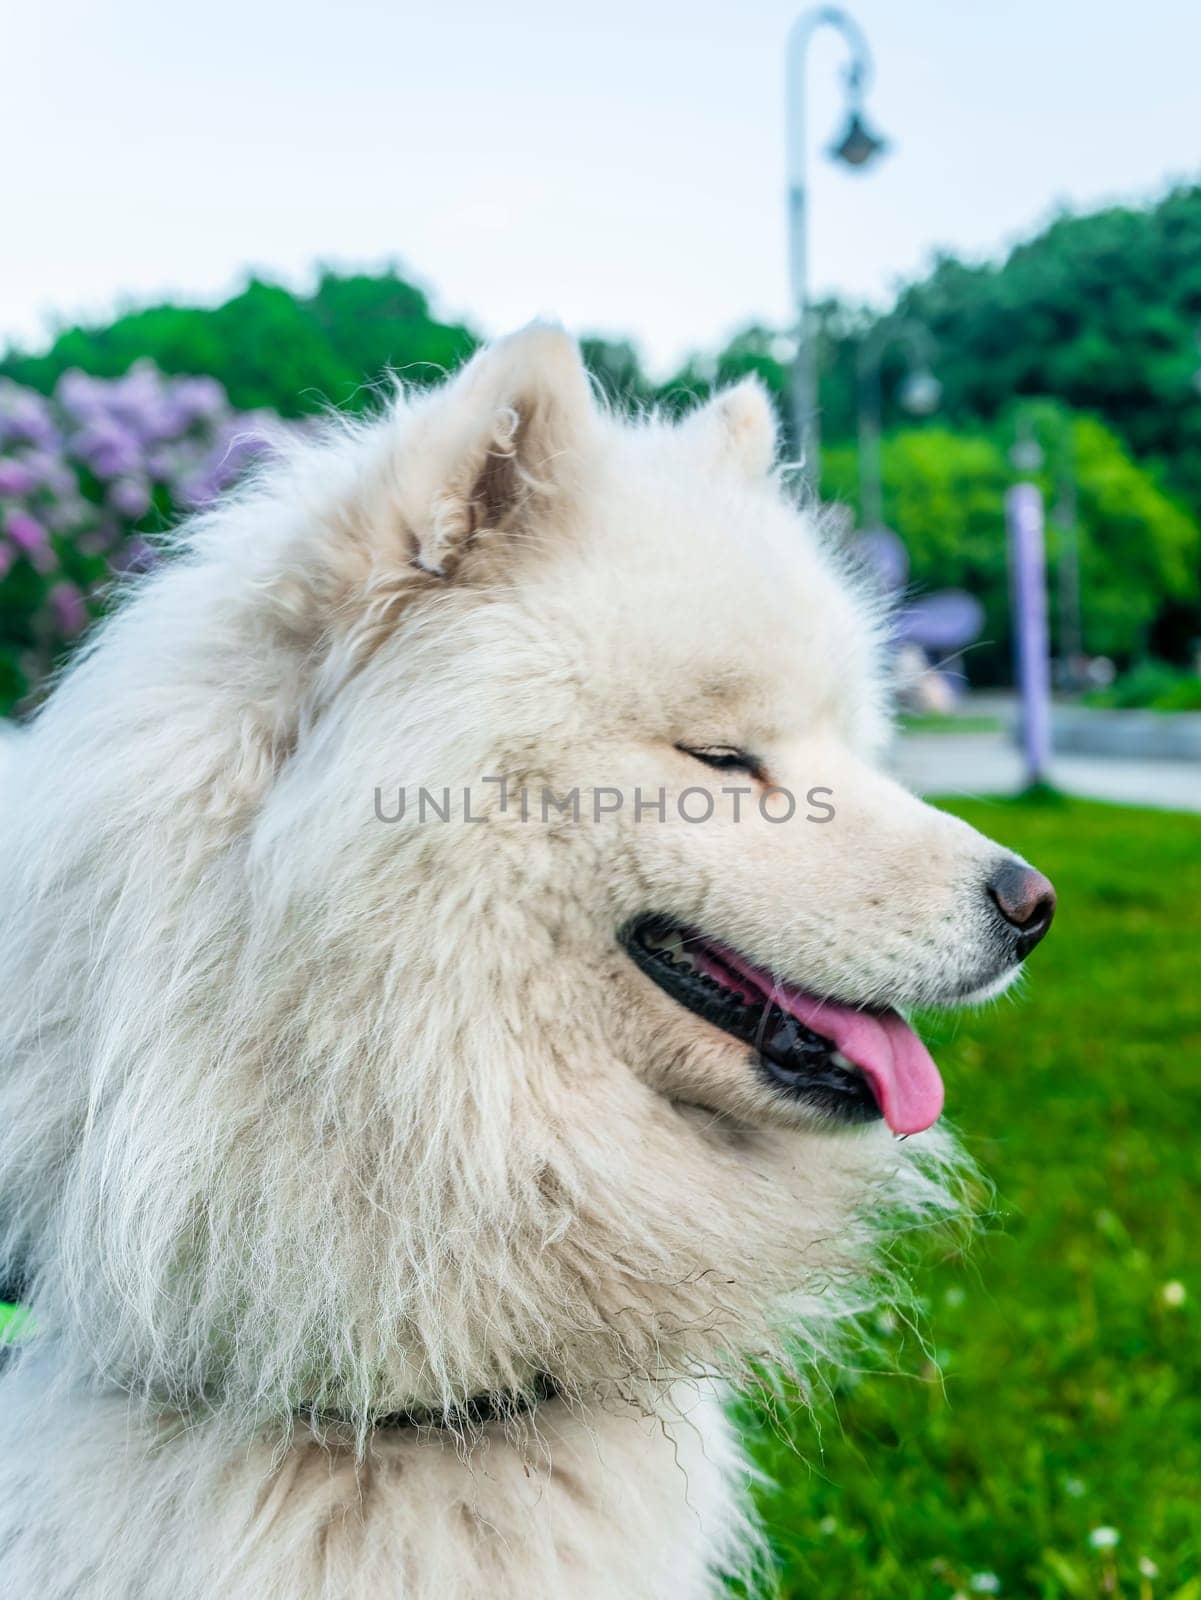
(961, 245)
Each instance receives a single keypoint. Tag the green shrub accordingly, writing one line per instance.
(1151, 686)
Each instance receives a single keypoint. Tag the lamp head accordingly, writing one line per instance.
(921, 392)
(858, 146)
(1027, 454)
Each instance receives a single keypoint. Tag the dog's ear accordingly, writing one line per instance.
(446, 487)
(738, 426)
(492, 450)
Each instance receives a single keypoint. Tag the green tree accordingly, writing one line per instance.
(944, 493)
(1097, 312)
(270, 347)
(1138, 547)
(1100, 311)
(767, 354)
(616, 366)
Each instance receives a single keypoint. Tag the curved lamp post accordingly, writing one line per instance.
(920, 395)
(856, 147)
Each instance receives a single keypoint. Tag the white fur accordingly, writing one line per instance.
(299, 1108)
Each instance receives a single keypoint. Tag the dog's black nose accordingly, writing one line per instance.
(1026, 899)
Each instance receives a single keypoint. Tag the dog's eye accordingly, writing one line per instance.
(725, 757)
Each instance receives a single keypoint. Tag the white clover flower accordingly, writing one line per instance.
(1104, 1538)
(828, 1525)
(1173, 1293)
(984, 1583)
(1147, 1567)
(1075, 1487)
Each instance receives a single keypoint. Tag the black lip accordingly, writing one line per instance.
(793, 1059)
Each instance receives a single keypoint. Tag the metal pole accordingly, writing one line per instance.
(871, 491)
(1024, 516)
(1071, 640)
(806, 414)
(805, 422)
(869, 361)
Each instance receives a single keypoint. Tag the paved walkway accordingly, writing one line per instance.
(988, 763)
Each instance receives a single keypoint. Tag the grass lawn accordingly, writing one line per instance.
(1067, 1392)
(949, 722)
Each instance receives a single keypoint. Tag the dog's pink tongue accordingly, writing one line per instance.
(901, 1071)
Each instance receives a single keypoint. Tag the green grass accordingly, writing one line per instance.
(949, 722)
(1065, 1390)
(11, 1319)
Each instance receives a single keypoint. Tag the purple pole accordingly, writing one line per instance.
(1024, 515)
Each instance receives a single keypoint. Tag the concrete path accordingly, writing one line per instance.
(988, 763)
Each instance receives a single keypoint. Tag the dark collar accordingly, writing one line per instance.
(471, 1414)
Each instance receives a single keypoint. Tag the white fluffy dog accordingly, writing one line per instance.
(393, 1192)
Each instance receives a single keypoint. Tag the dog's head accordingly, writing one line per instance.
(485, 949)
(681, 710)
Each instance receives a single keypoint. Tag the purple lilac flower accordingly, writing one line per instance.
(68, 607)
(240, 442)
(51, 472)
(130, 498)
(66, 514)
(108, 447)
(26, 417)
(26, 532)
(201, 399)
(197, 490)
(144, 404)
(79, 395)
(145, 437)
(16, 479)
(135, 555)
(164, 462)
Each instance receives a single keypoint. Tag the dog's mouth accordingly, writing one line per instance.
(851, 1063)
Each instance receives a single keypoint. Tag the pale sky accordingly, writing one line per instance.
(619, 166)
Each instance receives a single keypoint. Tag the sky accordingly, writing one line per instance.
(620, 167)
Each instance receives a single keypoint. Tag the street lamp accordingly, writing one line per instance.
(1027, 454)
(856, 148)
(920, 395)
(1028, 458)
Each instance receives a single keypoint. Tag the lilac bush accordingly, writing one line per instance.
(88, 477)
